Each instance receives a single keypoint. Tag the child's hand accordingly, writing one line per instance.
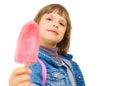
(20, 77)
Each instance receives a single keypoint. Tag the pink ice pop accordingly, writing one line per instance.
(28, 44)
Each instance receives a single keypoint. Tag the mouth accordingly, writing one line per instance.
(53, 31)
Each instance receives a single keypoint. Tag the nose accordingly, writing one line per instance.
(55, 24)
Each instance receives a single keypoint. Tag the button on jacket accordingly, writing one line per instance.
(56, 72)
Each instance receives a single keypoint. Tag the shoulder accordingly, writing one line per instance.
(67, 56)
(69, 59)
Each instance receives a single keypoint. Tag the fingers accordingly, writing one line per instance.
(21, 70)
(20, 76)
(21, 79)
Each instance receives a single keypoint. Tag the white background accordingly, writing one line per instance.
(95, 41)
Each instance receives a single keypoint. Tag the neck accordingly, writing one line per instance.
(48, 45)
(52, 51)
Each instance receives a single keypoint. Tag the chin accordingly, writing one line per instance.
(53, 41)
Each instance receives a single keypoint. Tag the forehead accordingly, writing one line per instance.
(55, 15)
(61, 12)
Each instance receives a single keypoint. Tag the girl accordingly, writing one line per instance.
(55, 28)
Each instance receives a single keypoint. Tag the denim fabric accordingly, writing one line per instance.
(56, 72)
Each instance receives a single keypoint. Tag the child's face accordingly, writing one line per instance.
(52, 29)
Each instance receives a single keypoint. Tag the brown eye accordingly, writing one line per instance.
(62, 24)
(49, 19)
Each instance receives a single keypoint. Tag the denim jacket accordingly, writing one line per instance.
(56, 72)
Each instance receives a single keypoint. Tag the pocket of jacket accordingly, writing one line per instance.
(55, 78)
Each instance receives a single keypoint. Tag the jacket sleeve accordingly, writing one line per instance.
(78, 74)
(36, 75)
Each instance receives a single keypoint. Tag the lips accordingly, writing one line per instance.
(53, 31)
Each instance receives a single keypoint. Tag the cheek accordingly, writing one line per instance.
(41, 28)
(62, 34)
(42, 24)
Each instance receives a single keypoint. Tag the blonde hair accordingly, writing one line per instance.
(64, 44)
